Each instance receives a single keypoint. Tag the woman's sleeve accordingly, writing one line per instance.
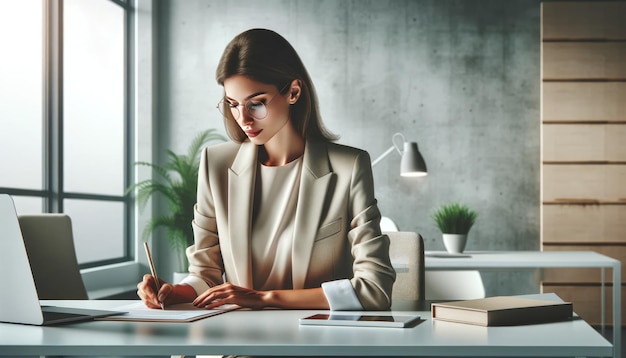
(205, 259)
(373, 274)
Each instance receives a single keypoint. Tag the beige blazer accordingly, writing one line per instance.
(337, 228)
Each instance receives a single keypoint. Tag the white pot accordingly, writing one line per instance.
(178, 276)
(454, 243)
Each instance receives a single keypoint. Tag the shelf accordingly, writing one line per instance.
(582, 201)
(584, 244)
(584, 80)
(556, 121)
(582, 39)
(581, 284)
(583, 162)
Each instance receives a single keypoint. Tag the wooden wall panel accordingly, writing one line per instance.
(586, 300)
(575, 275)
(584, 60)
(615, 143)
(584, 142)
(585, 275)
(583, 115)
(571, 181)
(583, 20)
(584, 224)
(584, 101)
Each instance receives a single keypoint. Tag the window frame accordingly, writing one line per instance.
(52, 192)
(111, 280)
(53, 125)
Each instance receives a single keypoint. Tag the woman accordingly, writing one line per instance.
(287, 216)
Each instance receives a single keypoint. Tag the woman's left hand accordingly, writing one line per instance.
(228, 293)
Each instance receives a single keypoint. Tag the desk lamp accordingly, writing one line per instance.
(412, 164)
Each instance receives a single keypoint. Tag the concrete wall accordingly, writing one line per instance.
(460, 77)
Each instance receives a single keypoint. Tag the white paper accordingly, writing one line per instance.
(181, 312)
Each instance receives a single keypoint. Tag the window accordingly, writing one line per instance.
(65, 128)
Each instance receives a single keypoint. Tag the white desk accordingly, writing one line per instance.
(505, 260)
(277, 333)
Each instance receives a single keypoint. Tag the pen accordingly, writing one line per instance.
(153, 271)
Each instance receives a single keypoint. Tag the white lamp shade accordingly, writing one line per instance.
(412, 164)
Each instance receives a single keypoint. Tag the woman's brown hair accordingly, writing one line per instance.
(267, 57)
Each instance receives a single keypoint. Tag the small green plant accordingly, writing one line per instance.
(176, 181)
(454, 218)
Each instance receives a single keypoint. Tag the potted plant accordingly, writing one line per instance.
(176, 181)
(455, 221)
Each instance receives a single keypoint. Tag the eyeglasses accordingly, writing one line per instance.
(257, 109)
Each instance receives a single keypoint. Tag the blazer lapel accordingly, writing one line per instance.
(241, 182)
(315, 178)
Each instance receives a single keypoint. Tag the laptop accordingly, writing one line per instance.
(19, 302)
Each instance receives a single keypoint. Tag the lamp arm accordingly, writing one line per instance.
(382, 156)
(388, 151)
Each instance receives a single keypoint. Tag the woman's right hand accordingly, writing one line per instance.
(168, 294)
(146, 290)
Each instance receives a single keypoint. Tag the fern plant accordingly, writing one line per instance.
(176, 181)
(454, 218)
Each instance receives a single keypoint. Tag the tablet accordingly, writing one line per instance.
(351, 319)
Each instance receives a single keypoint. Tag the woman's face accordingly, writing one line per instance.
(259, 109)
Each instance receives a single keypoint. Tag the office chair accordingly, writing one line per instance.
(386, 224)
(50, 246)
(406, 251)
(444, 285)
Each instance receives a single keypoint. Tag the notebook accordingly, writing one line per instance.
(183, 312)
(19, 302)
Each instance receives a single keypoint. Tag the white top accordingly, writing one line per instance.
(272, 225)
(273, 221)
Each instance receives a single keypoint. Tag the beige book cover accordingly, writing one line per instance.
(502, 311)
